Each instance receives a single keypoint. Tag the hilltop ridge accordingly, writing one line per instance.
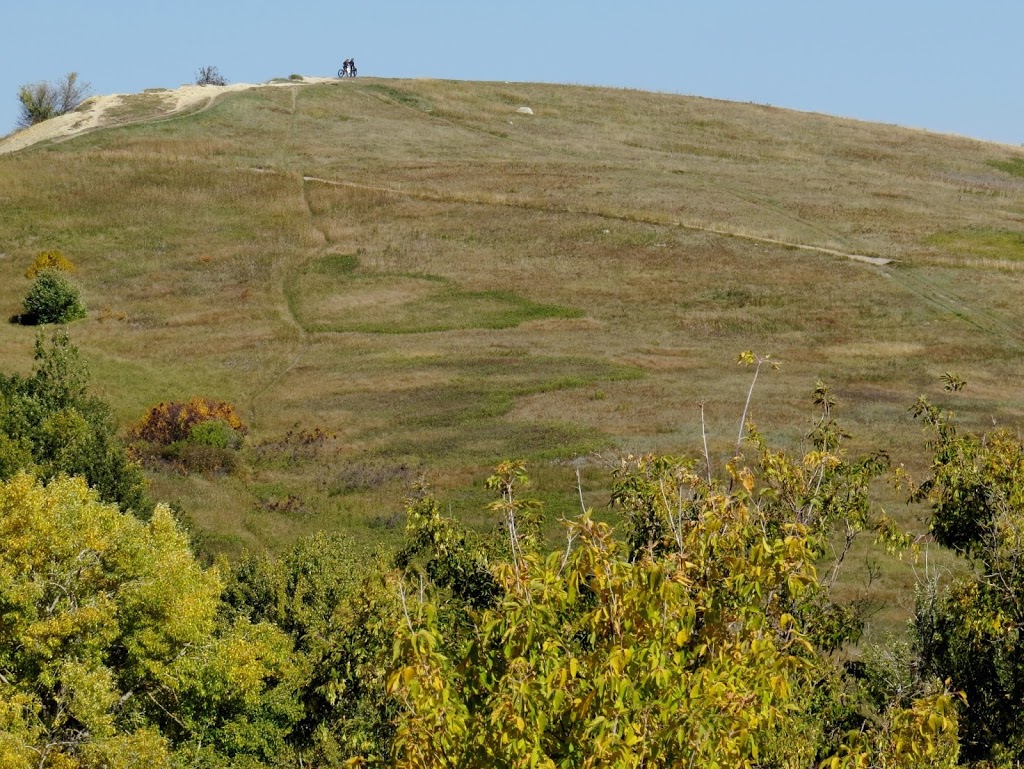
(111, 110)
(93, 112)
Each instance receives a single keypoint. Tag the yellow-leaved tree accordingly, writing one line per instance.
(706, 640)
(112, 652)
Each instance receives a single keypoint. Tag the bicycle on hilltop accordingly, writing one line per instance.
(348, 68)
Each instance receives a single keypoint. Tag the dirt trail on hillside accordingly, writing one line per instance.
(942, 298)
(424, 195)
(105, 111)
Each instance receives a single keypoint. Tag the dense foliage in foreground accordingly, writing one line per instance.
(120, 650)
(704, 634)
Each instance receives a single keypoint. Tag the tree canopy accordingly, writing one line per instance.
(49, 423)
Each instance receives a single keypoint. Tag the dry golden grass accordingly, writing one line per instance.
(441, 282)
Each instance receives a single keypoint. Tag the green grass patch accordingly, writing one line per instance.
(270, 490)
(140, 106)
(981, 243)
(1012, 166)
(462, 415)
(465, 391)
(405, 98)
(337, 264)
(336, 294)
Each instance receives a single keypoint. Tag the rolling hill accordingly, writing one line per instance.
(395, 278)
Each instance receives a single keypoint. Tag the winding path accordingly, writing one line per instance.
(437, 197)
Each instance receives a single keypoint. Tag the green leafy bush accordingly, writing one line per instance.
(113, 652)
(174, 421)
(341, 613)
(968, 631)
(698, 650)
(52, 299)
(216, 434)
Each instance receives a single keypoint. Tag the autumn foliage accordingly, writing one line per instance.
(698, 651)
(169, 422)
(111, 650)
(49, 260)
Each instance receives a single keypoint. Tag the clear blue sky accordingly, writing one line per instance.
(946, 66)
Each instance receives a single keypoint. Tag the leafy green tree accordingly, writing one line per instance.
(341, 614)
(824, 491)
(451, 559)
(51, 425)
(52, 299)
(969, 632)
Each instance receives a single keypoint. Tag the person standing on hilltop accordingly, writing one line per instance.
(351, 67)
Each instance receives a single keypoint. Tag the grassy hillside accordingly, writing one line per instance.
(440, 281)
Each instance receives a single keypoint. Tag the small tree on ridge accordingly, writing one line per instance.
(44, 100)
(210, 75)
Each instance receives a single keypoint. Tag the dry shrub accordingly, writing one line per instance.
(297, 444)
(106, 314)
(291, 504)
(167, 423)
(364, 476)
(210, 75)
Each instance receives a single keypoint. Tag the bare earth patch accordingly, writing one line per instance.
(102, 111)
(376, 296)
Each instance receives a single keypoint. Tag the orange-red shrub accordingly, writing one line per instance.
(166, 423)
